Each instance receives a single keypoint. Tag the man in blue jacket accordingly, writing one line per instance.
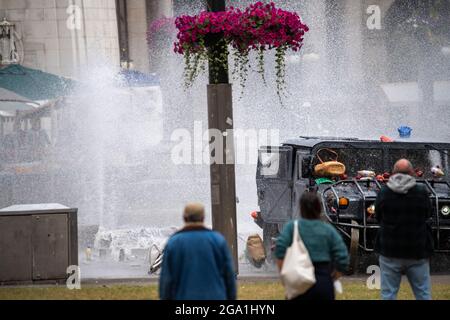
(197, 263)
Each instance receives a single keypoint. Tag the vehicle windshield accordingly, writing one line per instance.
(361, 159)
(379, 161)
(423, 160)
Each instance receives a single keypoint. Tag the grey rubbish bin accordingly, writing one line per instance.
(37, 243)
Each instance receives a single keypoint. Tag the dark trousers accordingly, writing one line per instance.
(323, 289)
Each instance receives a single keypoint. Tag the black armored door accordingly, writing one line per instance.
(274, 183)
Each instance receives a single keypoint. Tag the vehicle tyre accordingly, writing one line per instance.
(270, 230)
(354, 249)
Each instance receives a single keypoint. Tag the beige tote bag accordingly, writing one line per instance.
(297, 273)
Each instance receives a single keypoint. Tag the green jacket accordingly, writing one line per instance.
(322, 240)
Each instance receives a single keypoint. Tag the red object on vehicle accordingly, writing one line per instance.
(254, 214)
(380, 178)
(344, 176)
(386, 139)
(419, 173)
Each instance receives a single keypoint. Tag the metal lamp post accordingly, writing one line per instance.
(220, 117)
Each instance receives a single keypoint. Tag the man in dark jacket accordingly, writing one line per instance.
(404, 240)
(197, 263)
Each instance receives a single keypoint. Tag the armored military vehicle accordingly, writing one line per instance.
(285, 172)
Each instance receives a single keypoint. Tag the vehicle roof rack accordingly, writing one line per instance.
(329, 138)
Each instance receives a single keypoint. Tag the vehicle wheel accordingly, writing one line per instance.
(270, 230)
(354, 248)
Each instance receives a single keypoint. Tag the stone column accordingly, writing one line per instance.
(157, 9)
(137, 34)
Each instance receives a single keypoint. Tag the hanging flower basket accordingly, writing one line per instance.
(260, 27)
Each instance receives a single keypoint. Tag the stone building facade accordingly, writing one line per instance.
(58, 36)
(353, 60)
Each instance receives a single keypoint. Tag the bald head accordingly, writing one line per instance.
(194, 213)
(403, 166)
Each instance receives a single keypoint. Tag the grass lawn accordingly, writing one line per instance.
(262, 290)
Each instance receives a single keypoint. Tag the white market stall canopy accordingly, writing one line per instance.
(11, 102)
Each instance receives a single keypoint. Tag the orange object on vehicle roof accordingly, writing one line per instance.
(386, 139)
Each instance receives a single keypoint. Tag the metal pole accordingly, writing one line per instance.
(220, 117)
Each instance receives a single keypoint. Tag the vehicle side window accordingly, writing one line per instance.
(301, 169)
(275, 163)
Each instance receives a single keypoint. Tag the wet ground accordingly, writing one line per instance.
(136, 272)
(138, 269)
(435, 279)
